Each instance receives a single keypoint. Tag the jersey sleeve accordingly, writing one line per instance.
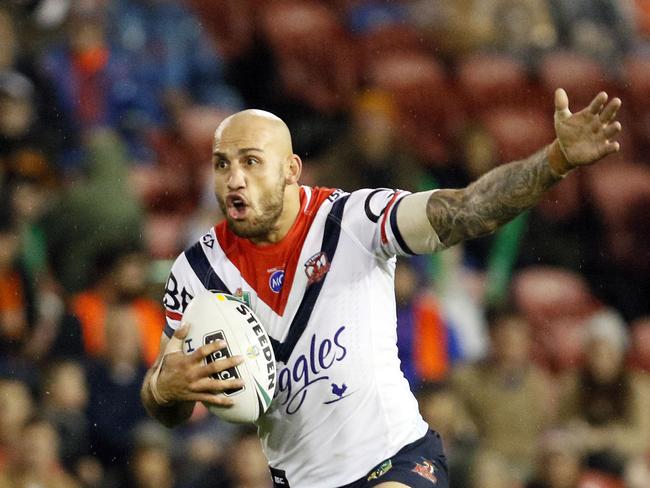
(182, 286)
(371, 217)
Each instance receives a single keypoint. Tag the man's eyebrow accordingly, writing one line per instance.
(243, 150)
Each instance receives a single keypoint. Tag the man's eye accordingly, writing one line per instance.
(221, 164)
(252, 161)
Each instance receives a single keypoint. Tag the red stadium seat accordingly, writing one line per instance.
(426, 103)
(640, 346)
(620, 190)
(546, 294)
(389, 39)
(518, 132)
(162, 235)
(493, 80)
(595, 479)
(579, 75)
(636, 73)
(228, 22)
(315, 57)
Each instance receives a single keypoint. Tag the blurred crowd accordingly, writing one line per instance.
(528, 350)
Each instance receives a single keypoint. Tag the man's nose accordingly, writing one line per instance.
(237, 178)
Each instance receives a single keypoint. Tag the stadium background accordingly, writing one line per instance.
(526, 349)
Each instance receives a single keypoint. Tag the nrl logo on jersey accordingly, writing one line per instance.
(316, 267)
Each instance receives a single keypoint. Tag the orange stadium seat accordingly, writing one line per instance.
(579, 75)
(426, 102)
(491, 80)
(304, 36)
(518, 131)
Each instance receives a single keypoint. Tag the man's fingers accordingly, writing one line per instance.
(205, 351)
(609, 112)
(597, 103)
(209, 385)
(609, 147)
(219, 365)
(219, 400)
(612, 129)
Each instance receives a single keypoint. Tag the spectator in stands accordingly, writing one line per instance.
(598, 28)
(507, 396)
(444, 412)
(604, 405)
(64, 398)
(559, 464)
(248, 468)
(35, 460)
(17, 301)
(100, 212)
(114, 408)
(370, 155)
(16, 407)
(119, 292)
(427, 347)
(151, 465)
(170, 64)
(522, 28)
(490, 469)
(33, 120)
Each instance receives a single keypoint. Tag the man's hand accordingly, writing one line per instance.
(186, 378)
(586, 136)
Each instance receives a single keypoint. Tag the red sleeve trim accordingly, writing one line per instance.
(384, 219)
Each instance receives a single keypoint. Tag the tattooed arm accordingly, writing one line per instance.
(501, 194)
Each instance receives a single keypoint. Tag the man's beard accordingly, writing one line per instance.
(268, 212)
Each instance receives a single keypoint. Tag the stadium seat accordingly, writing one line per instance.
(545, 294)
(518, 132)
(389, 39)
(619, 190)
(426, 102)
(560, 344)
(228, 22)
(493, 80)
(163, 234)
(579, 75)
(303, 35)
(595, 479)
(640, 345)
(636, 74)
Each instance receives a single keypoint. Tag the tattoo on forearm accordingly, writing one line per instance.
(491, 201)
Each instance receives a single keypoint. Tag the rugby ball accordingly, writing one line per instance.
(216, 316)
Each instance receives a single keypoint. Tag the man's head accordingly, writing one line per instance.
(256, 174)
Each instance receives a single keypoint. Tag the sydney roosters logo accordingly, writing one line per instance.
(427, 470)
(316, 267)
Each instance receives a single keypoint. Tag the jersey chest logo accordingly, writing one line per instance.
(316, 267)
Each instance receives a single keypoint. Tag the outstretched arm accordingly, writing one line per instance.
(501, 194)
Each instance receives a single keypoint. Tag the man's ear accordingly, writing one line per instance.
(294, 169)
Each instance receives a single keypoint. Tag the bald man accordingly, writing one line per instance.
(317, 266)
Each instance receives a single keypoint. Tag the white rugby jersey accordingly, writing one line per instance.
(325, 294)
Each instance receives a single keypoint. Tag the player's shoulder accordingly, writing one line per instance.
(372, 203)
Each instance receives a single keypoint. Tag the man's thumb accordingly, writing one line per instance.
(561, 104)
